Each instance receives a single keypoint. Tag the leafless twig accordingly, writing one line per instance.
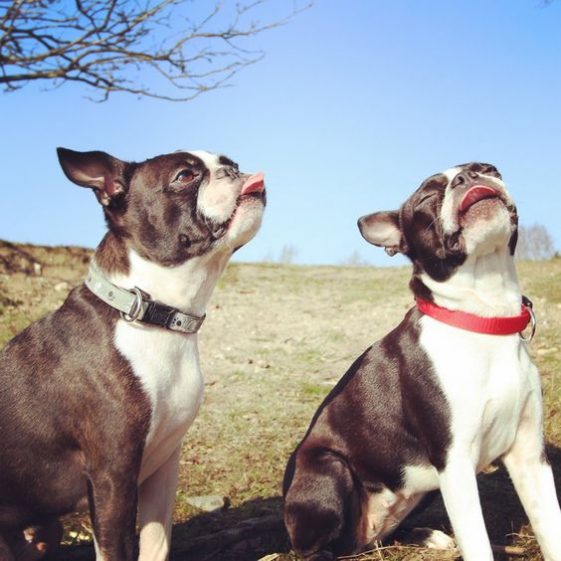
(137, 46)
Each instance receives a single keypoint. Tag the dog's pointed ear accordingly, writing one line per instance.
(382, 229)
(100, 171)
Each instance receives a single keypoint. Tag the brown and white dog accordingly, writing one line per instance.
(94, 403)
(448, 391)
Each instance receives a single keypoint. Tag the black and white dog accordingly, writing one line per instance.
(96, 397)
(448, 391)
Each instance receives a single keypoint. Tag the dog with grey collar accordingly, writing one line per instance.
(96, 397)
(451, 389)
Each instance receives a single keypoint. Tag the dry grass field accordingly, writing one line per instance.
(276, 339)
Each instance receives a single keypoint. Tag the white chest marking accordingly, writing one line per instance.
(487, 380)
(167, 365)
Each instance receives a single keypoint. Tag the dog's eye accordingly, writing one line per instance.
(185, 176)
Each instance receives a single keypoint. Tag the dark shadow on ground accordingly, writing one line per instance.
(245, 533)
(255, 528)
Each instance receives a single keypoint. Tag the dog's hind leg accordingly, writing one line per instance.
(321, 506)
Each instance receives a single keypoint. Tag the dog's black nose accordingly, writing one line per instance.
(464, 178)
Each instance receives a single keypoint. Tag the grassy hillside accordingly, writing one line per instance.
(276, 339)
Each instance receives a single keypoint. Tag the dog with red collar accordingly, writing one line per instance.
(451, 389)
(96, 397)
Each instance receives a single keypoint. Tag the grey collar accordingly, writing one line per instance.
(136, 305)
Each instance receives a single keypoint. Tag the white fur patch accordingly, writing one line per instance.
(209, 159)
(486, 380)
(167, 365)
(450, 173)
(420, 478)
(245, 223)
(218, 195)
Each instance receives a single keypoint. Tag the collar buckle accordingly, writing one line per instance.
(529, 306)
(136, 307)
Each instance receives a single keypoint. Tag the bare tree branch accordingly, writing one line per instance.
(109, 44)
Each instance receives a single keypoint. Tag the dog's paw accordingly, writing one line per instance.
(38, 542)
(440, 540)
(432, 539)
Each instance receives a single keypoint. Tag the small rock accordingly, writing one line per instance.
(61, 286)
(37, 269)
(209, 503)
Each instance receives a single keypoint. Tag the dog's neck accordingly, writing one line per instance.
(485, 285)
(187, 287)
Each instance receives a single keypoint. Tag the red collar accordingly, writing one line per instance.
(471, 322)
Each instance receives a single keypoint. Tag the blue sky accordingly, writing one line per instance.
(354, 104)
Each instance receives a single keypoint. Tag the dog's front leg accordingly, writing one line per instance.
(458, 486)
(532, 476)
(112, 495)
(156, 500)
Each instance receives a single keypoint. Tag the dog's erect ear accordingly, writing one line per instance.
(97, 170)
(382, 229)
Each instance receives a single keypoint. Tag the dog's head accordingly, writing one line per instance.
(174, 207)
(464, 211)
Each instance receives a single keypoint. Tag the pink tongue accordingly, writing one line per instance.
(254, 184)
(475, 194)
